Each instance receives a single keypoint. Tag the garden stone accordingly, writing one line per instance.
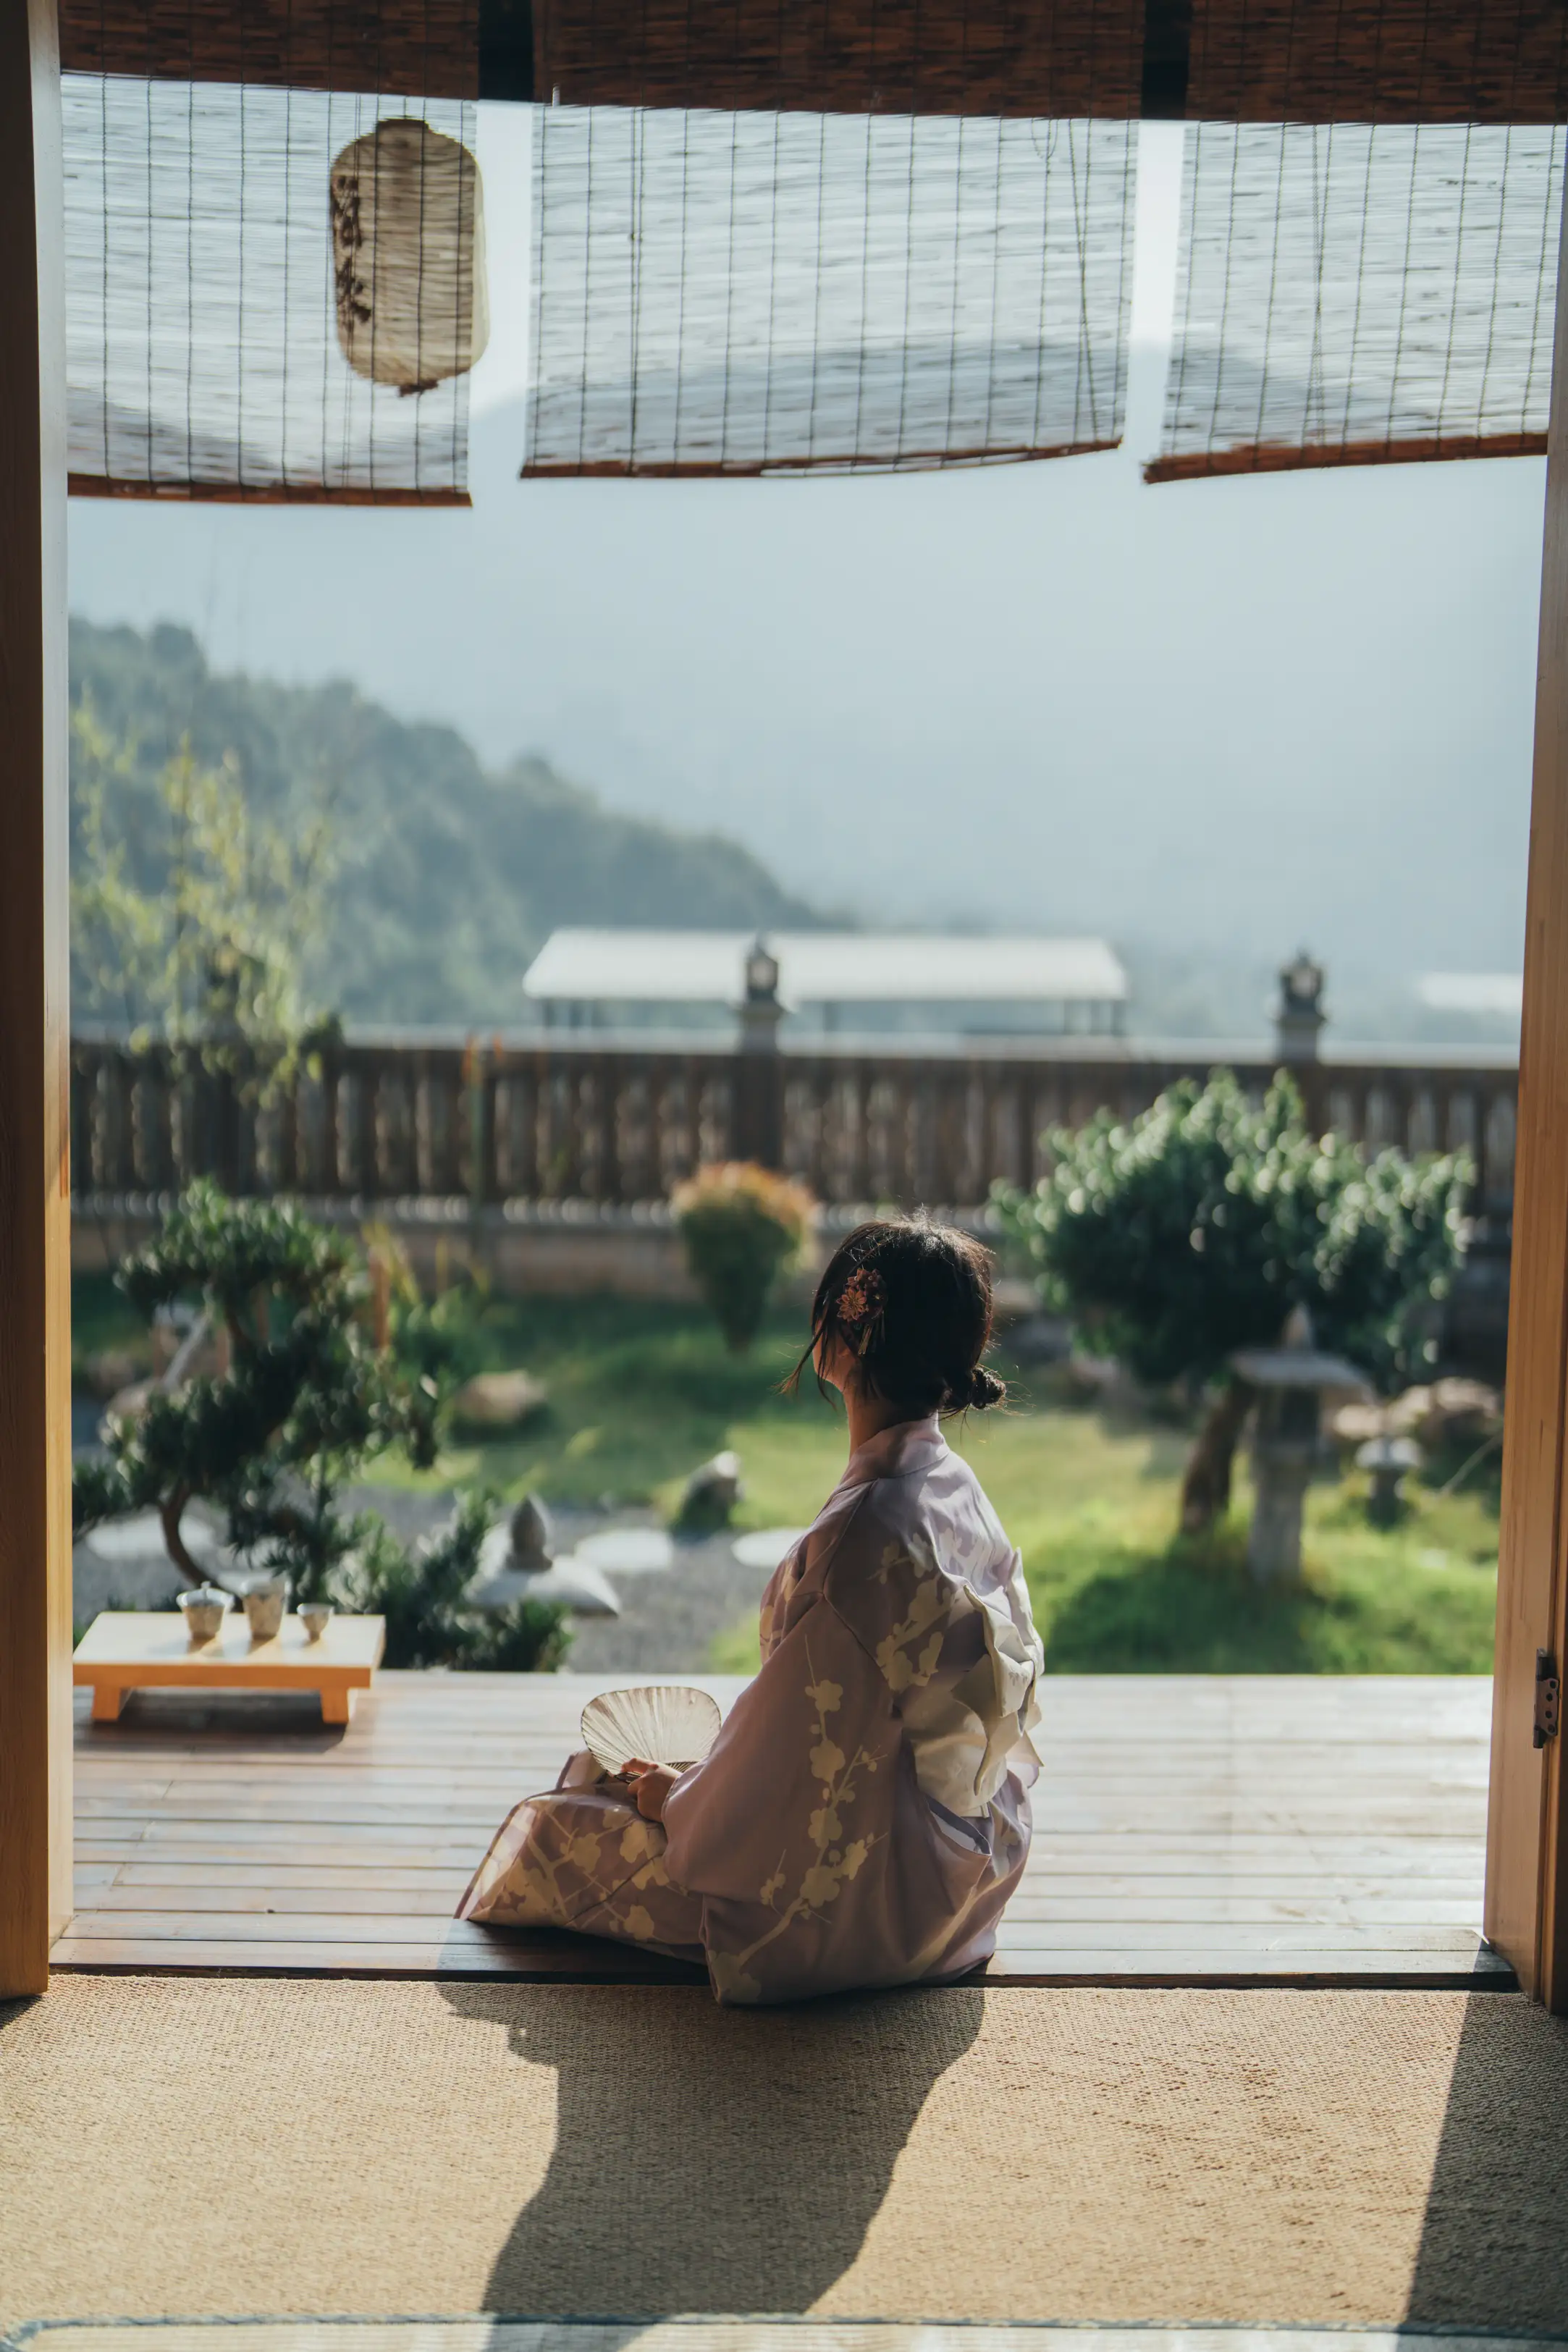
(532, 1538)
(766, 1548)
(629, 1551)
(1447, 1413)
(711, 1492)
(500, 1399)
(570, 1583)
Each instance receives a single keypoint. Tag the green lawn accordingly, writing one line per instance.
(641, 1392)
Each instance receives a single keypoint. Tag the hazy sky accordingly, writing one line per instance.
(1235, 715)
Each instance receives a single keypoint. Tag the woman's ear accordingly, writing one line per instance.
(835, 1364)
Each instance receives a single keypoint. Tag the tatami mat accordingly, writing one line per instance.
(487, 2334)
(235, 2146)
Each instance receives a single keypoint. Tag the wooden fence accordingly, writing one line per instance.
(619, 1124)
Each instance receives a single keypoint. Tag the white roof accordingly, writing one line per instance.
(1472, 992)
(824, 968)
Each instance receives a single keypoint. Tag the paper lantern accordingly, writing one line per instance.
(409, 255)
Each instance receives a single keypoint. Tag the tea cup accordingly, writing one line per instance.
(264, 1601)
(204, 1608)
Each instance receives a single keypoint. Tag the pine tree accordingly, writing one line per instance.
(305, 1399)
(1191, 1231)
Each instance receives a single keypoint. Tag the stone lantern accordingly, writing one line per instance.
(1291, 1381)
(1387, 1462)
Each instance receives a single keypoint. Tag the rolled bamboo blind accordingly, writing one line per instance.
(1439, 61)
(396, 48)
(744, 293)
(1351, 294)
(1489, 61)
(218, 344)
(1019, 58)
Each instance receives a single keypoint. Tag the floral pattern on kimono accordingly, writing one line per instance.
(863, 1815)
(584, 1857)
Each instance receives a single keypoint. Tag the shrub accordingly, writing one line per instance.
(436, 1339)
(742, 1226)
(420, 1590)
(1193, 1229)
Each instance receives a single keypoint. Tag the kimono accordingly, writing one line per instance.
(863, 1815)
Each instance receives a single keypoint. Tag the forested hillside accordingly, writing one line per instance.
(447, 877)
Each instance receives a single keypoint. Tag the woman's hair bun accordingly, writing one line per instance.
(911, 1303)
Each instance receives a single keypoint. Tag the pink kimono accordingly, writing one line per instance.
(862, 1817)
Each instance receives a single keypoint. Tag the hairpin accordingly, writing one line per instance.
(860, 1306)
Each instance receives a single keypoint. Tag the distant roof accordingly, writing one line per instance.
(1472, 992)
(824, 968)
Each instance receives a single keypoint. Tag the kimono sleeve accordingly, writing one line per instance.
(958, 1665)
(788, 1799)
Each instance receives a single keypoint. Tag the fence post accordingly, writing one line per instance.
(757, 1121)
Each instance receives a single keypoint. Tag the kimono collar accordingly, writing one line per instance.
(897, 1452)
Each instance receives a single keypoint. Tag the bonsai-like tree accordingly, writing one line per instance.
(1193, 1229)
(742, 1225)
(305, 1396)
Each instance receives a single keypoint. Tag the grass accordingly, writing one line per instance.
(640, 1392)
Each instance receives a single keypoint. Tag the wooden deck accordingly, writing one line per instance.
(1192, 1829)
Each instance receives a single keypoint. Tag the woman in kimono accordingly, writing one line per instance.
(862, 1817)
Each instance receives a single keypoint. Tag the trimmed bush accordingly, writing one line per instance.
(742, 1227)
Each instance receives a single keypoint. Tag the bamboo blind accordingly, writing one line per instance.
(398, 48)
(204, 354)
(1439, 61)
(1355, 295)
(1020, 58)
(1489, 61)
(1017, 57)
(740, 293)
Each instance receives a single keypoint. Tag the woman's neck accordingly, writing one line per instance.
(870, 1415)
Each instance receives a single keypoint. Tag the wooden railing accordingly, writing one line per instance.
(619, 1124)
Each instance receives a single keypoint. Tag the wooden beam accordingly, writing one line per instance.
(35, 1183)
(1527, 1866)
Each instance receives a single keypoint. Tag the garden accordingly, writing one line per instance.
(1090, 1467)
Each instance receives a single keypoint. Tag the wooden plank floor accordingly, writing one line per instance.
(1188, 1829)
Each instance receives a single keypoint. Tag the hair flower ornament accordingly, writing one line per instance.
(861, 1303)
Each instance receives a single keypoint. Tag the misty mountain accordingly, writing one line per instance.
(450, 874)
(1222, 720)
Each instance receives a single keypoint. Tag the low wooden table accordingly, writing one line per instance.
(125, 1650)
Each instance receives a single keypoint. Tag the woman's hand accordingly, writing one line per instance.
(651, 1784)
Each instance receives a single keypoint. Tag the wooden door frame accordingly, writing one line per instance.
(1527, 1840)
(1526, 1864)
(34, 1178)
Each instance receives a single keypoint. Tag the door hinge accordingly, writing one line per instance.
(1547, 1697)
